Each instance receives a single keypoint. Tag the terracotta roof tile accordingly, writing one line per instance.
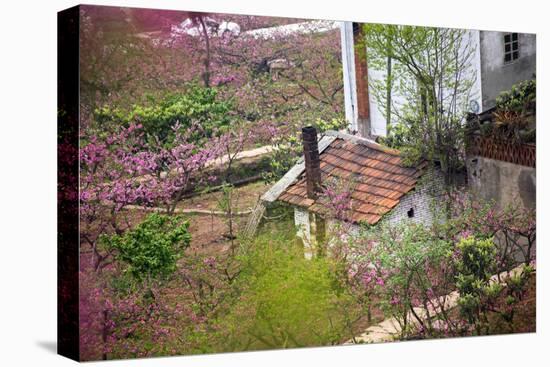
(379, 179)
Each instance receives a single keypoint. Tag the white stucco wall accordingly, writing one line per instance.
(378, 121)
(301, 220)
(348, 68)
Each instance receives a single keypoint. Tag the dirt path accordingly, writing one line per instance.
(187, 211)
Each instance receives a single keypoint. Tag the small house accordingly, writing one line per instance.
(384, 188)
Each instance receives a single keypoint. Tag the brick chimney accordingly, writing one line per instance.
(361, 81)
(312, 161)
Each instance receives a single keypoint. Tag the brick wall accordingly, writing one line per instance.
(422, 200)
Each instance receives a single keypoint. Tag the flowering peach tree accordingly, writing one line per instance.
(132, 56)
(409, 269)
(122, 170)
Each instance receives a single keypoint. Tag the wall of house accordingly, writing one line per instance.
(422, 200)
(505, 183)
(301, 220)
(377, 117)
(348, 68)
(305, 231)
(498, 76)
(492, 74)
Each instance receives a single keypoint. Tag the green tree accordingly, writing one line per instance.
(151, 249)
(431, 70)
(480, 295)
(406, 266)
(198, 105)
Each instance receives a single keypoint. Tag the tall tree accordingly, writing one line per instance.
(432, 76)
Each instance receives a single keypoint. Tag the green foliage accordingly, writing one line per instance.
(513, 117)
(429, 71)
(493, 290)
(289, 147)
(406, 246)
(519, 98)
(285, 300)
(476, 263)
(152, 248)
(198, 105)
(479, 294)
(334, 124)
(517, 282)
(409, 265)
(400, 136)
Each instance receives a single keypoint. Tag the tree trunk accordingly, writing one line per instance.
(388, 94)
(104, 333)
(206, 75)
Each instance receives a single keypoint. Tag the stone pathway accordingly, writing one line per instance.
(241, 155)
(389, 329)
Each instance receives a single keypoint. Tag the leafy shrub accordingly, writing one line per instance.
(197, 105)
(480, 295)
(152, 248)
(476, 263)
(519, 98)
(512, 120)
(399, 137)
(408, 269)
(512, 228)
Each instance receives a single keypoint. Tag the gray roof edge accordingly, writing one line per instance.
(361, 140)
(277, 189)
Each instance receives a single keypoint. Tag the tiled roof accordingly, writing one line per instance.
(380, 179)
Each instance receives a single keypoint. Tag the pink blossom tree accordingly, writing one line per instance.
(130, 54)
(123, 170)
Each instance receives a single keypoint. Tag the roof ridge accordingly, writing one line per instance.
(364, 141)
